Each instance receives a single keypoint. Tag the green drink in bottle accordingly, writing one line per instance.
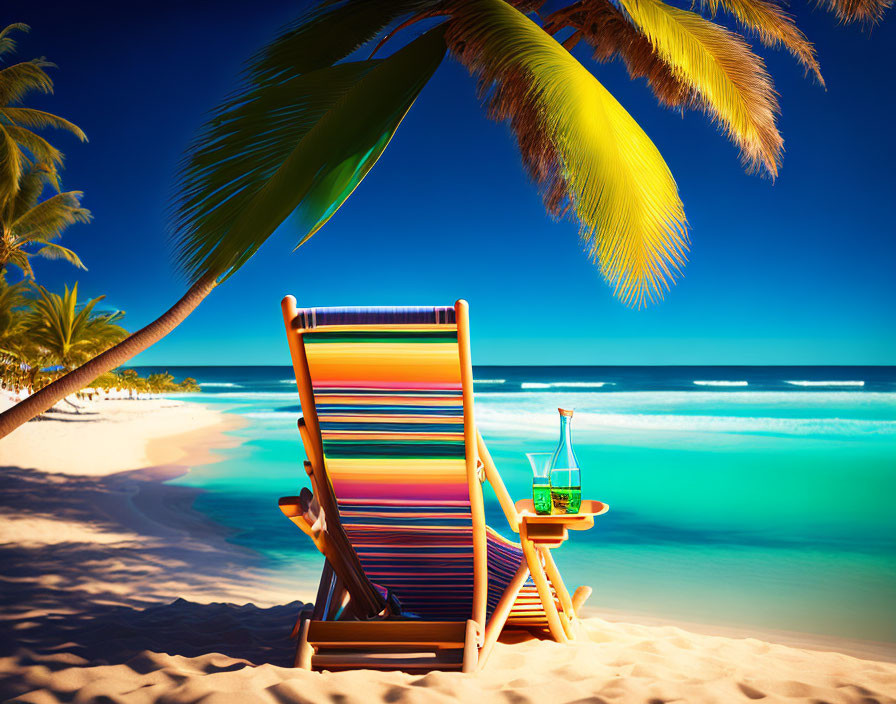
(566, 482)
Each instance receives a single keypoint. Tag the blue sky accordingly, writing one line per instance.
(799, 271)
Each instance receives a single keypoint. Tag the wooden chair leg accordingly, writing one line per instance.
(324, 592)
(541, 584)
(304, 651)
(471, 647)
(568, 614)
(502, 611)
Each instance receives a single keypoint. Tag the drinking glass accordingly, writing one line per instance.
(541, 480)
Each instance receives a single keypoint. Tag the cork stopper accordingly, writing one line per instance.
(564, 412)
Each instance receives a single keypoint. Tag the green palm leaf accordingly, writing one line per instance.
(69, 331)
(328, 33)
(320, 133)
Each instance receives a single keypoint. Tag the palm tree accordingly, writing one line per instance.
(20, 146)
(12, 302)
(71, 332)
(189, 385)
(307, 125)
(28, 225)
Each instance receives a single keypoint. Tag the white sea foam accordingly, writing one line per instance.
(273, 415)
(287, 381)
(512, 419)
(281, 396)
(825, 383)
(222, 384)
(489, 381)
(565, 384)
(721, 383)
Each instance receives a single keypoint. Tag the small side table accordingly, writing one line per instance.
(538, 535)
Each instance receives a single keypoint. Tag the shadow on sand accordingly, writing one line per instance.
(92, 567)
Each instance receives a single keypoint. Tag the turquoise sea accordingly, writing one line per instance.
(744, 496)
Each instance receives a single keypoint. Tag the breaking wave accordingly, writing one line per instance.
(825, 383)
(565, 384)
(722, 383)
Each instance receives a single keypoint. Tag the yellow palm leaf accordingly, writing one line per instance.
(610, 34)
(774, 27)
(729, 79)
(579, 144)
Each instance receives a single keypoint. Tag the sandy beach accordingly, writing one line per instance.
(114, 589)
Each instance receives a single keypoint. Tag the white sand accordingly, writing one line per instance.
(106, 436)
(107, 580)
(615, 663)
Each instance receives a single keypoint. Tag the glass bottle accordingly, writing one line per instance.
(566, 482)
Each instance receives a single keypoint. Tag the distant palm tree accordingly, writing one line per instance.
(12, 302)
(20, 145)
(68, 331)
(29, 226)
(307, 125)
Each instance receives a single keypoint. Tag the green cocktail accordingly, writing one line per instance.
(541, 481)
(541, 497)
(566, 499)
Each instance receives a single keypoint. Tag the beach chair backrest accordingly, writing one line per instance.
(387, 397)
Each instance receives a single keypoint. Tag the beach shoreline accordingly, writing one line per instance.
(114, 584)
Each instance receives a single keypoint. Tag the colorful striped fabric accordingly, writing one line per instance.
(387, 392)
(309, 318)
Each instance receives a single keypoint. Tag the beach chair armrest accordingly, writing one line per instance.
(494, 478)
(305, 512)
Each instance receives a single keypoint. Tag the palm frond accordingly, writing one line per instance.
(868, 11)
(326, 33)
(774, 27)
(47, 220)
(39, 119)
(610, 34)
(302, 146)
(11, 167)
(579, 144)
(7, 43)
(32, 183)
(55, 251)
(730, 80)
(20, 79)
(40, 148)
(68, 331)
(18, 258)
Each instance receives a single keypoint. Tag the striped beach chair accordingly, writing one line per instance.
(413, 577)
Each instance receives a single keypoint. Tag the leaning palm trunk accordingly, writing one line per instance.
(114, 357)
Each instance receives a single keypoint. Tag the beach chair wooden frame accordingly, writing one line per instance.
(352, 624)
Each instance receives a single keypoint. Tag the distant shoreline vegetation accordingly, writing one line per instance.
(44, 335)
(118, 384)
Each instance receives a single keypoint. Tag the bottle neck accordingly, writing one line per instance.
(564, 431)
